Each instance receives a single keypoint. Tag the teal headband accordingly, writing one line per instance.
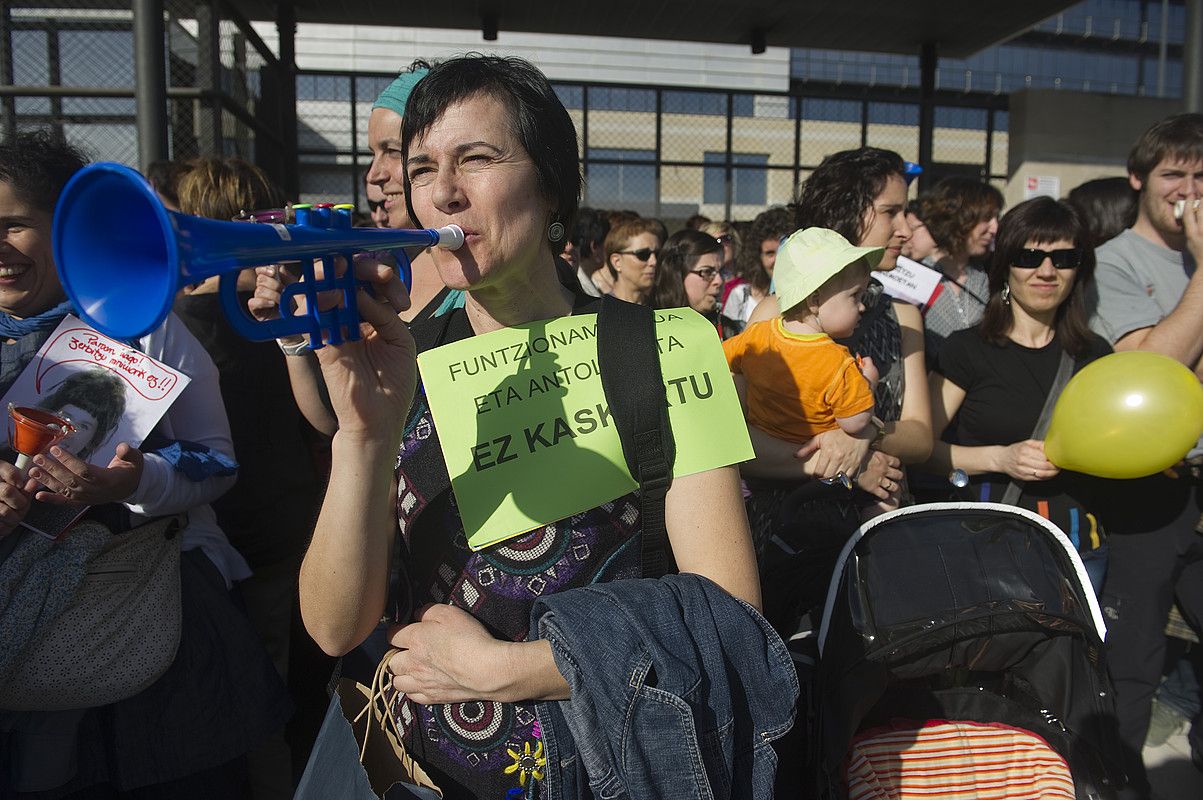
(396, 93)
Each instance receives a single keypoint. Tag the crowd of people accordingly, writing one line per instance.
(340, 537)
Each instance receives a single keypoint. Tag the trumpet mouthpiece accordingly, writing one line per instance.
(451, 237)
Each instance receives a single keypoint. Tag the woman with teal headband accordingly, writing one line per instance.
(428, 296)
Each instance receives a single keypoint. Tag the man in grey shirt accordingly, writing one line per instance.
(1150, 297)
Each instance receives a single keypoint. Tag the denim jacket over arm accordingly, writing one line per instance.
(678, 689)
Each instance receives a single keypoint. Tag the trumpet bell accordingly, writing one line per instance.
(110, 222)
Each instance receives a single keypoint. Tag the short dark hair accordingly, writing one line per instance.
(589, 232)
(677, 256)
(1179, 137)
(96, 391)
(165, 177)
(773, 223)
(537, 119)
(1107, 206)
(1043, 220)
(696, 221)
(954, 206)
(37, 165)
(842, 187)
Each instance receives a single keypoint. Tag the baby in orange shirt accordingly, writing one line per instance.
(799, 381)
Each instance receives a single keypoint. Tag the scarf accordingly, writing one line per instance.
(12, 328)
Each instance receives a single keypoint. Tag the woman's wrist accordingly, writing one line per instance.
(522, 671)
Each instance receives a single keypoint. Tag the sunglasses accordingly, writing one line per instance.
(375, 205)
(723, 238)
(1030, 258)
(705, 273)
(643, 253)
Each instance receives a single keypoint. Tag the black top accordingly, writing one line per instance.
(268, 515)
(1005, 390)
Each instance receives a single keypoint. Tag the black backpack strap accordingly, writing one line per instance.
(629, 361)
(1065, 371)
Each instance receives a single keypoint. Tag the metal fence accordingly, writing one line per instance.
(662, 151)
(72, 70)
(670, 152)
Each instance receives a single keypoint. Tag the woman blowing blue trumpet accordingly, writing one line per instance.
(122, 257)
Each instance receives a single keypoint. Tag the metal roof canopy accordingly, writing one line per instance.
(959, 28)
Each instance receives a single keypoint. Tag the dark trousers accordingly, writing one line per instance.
(1156, 557)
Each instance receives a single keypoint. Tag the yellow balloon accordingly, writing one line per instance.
(1126, 415)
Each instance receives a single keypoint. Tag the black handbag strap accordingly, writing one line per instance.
(629, 361)
(1065, 371)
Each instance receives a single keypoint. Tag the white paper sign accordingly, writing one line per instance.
(909, 281)
(1041, 186)
(111, 393)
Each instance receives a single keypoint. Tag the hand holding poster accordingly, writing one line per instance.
(110, 392)
(526, 430)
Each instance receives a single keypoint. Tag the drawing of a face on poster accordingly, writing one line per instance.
(94, 401)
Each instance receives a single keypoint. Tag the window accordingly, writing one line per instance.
(749, 178)
(618, 183)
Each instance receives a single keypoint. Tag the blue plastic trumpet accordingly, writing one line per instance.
(122, 257)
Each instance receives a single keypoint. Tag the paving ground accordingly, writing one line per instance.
(1171, 772)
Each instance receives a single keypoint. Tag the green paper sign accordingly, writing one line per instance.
(526, 431)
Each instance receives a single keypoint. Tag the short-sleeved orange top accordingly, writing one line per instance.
(798, 384)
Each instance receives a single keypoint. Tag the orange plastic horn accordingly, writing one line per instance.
(32, 431)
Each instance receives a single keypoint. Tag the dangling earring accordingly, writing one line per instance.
(1005, 294)
(555, 231)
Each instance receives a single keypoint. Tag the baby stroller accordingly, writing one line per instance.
(960, 654)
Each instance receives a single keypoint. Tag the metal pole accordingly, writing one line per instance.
(729, 172)
(150, 81)
(286, 29)
(927, 108)
(1162, 45)
(1192, 57)
(659, 150)
(8, 105)
(209, 134)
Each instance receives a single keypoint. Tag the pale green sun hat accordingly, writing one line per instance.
(811, 257)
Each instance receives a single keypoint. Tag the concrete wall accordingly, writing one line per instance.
(1074, 137)
(372, 48)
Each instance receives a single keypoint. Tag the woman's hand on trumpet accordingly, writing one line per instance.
(370, 382)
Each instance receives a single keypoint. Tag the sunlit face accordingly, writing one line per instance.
(388, 171)
(29, 282)
(921, 244)
(768, 254)
(85, 426)
(980, 240)
(375, 198)
(470, 169)
(839, 312)
(632, 271)
(703, 283)
(1041, 289)
(884, 222)
(1167, 183)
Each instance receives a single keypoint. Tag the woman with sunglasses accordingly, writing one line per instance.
(631, 251)
(689, 275)
(991, 382)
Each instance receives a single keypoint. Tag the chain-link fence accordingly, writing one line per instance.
(669, 152)
(72, 70)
